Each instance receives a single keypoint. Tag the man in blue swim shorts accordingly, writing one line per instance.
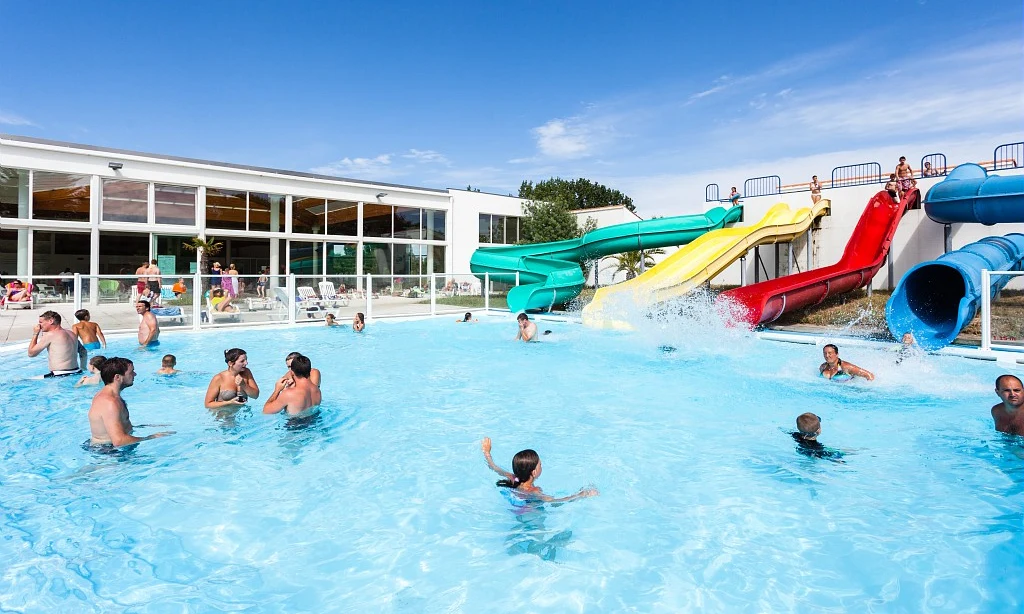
(149, 329)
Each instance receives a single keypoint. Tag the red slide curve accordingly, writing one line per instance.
(864, 254)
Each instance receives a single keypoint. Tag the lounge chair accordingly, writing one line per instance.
(329, 296)
(169, 314)
(311, 307)
(109, 288)
(308, 296)
(27, 303)
(223, 316)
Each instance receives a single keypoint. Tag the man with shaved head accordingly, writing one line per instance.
(1009, 415)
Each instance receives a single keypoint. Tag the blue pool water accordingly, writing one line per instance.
(383, 502)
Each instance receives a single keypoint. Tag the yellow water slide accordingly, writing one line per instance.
(697, 263)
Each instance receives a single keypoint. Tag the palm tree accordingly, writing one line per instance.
(206, 248)
(630, 261)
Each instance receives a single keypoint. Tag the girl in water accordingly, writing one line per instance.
(358, 322)
(526, 468)
(233, 386)
(835, 369)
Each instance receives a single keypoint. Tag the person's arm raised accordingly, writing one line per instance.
(249, 386)
(485, 445)
(35, 347)
(275, 403)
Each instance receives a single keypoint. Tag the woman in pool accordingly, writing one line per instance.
(526, 468)
(835, 369)
(467, 318)
(314, 373)
(233, 386)
(358, 322)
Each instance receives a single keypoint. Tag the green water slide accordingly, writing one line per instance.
(549, 273)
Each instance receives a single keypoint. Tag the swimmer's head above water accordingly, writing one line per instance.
(526, 466)
(467, 317)
(809, 425)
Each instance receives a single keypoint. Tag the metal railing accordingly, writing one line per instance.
(762, 186)
(1008, 155)
(937, 162)
(986, 306)
(711, 193)
(857, 174)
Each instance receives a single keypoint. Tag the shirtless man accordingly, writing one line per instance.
(905, 176)
(109, 422)
(294, 393)
(527, 329)
(63, 351)
(88, 332)
(149, 329)
(1009, 415)
(140, 282)
(153, 273)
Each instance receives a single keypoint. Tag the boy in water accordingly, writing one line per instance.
(1009, 415)
(808, 427)
(88, 332)
(330, 321)
(167, 365)
(95, 363)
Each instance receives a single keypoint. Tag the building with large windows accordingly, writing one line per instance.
(102, 211)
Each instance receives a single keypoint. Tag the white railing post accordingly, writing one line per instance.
(369, 298)
(433, 294)
(487, 292)
(77, 289)
(986, 310)
(197, 300)
(743, 271)
(517, 277)
(292, 306)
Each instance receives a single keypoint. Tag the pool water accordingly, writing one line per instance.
(382, 501)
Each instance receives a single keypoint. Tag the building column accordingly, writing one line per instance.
(94, 241)
(24, 249)
(359, 246)
(275, 261)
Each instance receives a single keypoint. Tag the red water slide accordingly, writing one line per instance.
(864, 254)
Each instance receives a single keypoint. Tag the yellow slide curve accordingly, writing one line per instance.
(699, 262)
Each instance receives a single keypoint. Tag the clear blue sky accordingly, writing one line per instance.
(443, 94)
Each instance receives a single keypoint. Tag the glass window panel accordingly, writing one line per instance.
(485, 228)
(13, 193)
(60, 196)
(407, 223)
(248, 255)
(376, 220)
(8, 254)
(125, 201)
(184, 260)
(406, 260)
(306, 257)
(512, 230)
(53, 252)
(308, 215)
(439, 252)
(497, 229)
(377, 258)
(121, 253)
(342, 218)
(175, 204)
(266, 212)
(341, 258)
(433, 224)
(225, 209)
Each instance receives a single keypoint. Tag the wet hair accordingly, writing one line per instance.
(523, 464)
(292, 355)
(97, 362)
(301, 366)
(831, 345)
(143, 302)
(153, 261)
(168, 361)
(469, 316)
(114, 366)
(1000, 379)
(233, 354)
(53, 316)
(521, 317)
(361, 318)
(808, 424)
(82, 314)
(329, 316)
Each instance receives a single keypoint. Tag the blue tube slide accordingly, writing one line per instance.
(970, 194)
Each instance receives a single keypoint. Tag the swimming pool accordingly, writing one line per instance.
(383, 501)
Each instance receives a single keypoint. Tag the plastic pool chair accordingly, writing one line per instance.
(330, 296)
(27, 303)
(108, 288)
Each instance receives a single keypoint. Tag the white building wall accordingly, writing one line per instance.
(466, 208)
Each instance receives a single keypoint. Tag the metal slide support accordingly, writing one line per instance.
(947, 238)
(986, 309)
(642, 267)
(743, 271)
(789, 271)
(890, 265)
(757, 259)
(487, 292)
(809, 247)
(517, 279)
(776, 261)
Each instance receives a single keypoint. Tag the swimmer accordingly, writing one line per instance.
(109, 422)
(314, 373)
(167, 364)
(95, 364)
(526, 468)
(149, 328)
(296, 394)
(527, 329)
(233, 386)
(88, 332)
(808, 428)
(1009, 415)
(467, 318)
(358, 322)
(330, 321)
(64, 353)
(834, 366)
(907, 349)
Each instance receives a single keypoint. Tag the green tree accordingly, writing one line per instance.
(576, 194)
(629, 262)
(206, 248)
(545, 221)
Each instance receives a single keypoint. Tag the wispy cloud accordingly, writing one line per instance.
(378, 167)
(428, 156)
(12, 119)
(563, 138)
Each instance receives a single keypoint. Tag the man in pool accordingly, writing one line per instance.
(527, 329)
(88, 331)
(808, 427)
(109, 422)
(64, 353)
(167, 365)
(294, 393)
(835, 369)
(1009, 415)
(149, 329)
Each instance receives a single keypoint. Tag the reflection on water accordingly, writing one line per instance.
(529, 535)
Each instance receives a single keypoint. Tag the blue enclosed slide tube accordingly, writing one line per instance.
(970, 194)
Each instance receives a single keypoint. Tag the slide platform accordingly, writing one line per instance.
(935, 300)
(699, 262)
(864, 254)
(549, 273)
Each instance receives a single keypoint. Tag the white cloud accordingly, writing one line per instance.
(427, 156)
(560, 138)
(359, 168)
(11, 119)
